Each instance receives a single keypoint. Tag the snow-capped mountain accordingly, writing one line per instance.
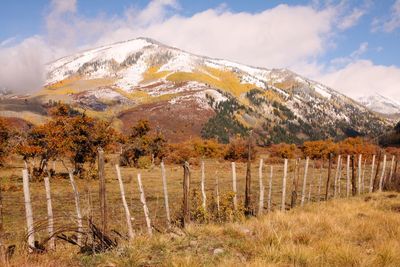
(187, 95)
(381, 104)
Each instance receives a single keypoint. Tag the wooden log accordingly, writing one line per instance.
(234, 188)
(28, 211)
(50, 217)
(383, 174)
(285, 169)
(145, 208)
(295, 183)
(102, 190)
(186, 192)
(336, 176)
(371, 181)
(348, 176)
(359, 174)
(261, 188)
(303, 193)
(329, 177)
(77, 206)
(320, 181)
(128, 217)
(165, 190)
(203, 190)
(269, 207)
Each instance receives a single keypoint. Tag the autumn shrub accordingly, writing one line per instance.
(357, 145)
(238, 149)
(5, 135)
(144, 162)
(319, 149)
(283, 150)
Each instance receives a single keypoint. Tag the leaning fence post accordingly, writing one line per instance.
(270, 189)
(165, 189)
(371, 181)
(49, 210)
(303, 193)
(285, 168)
(337, 175)
(124, 203)
(102, 190)
(261, 187)
(203, 190)
(383, 174)
(234, 188)
(77, 206)
(145, 208)
(186, 192)
(28, 210)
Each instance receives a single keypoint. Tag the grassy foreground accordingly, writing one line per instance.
(362, 231)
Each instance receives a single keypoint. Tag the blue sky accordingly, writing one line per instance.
(349, 45)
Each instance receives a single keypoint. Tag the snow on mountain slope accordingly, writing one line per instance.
(143, 74)
(380, 104)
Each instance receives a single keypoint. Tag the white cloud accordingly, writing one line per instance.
(363, 77)
(388, 24)
(351, 19)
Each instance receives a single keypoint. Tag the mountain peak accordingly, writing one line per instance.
(379, 103)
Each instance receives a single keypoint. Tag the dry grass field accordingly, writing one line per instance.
(361, 231)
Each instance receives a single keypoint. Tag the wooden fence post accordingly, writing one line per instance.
(165, 190)
(353, 177)
(376, 181)
(145, 208)
(311, 182)
(383, 174)
(359, 174)
(329, 177)
(391, 169)
(77, 206)
(340, 176)
(217, 192)
(348, 176)
(270, 189)
(293, 199)
(50, 217)
(102, 190)
(234, 188)
(203, 190)
(371, 181)
(303, 193)
(337, 175)
(285, 169)
(261, 188)
(131, 233)
(248, 209)
(320, 181)
(28, 211)
(186, 192)
(363, 176)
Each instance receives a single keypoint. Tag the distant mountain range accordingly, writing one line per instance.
(381, 104)
(186, 95)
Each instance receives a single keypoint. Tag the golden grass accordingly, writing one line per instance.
(153, 73)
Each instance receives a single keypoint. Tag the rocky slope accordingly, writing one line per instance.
(187, 95)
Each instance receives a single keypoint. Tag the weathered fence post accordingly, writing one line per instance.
(217, 198)
(363, 176)
(391, 169)
(303, 193)
(131, 233)
(320, 181)
(337, 175)
(102, 190)
(234, 188)
(28, 210)
(348, 176)
(371, 181)
(203, 190)
(186, 192)
(383, 174)
(311, 182)
(145, 208)
(329, 177)
(269, 207)
(50, 217)
(77, 204)
(261, 188)
(359, 174)
(353, 177)
(376, 181)
(293, 199)
(340, 177)
(285, 169)
(248, 209)
(165, 190)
